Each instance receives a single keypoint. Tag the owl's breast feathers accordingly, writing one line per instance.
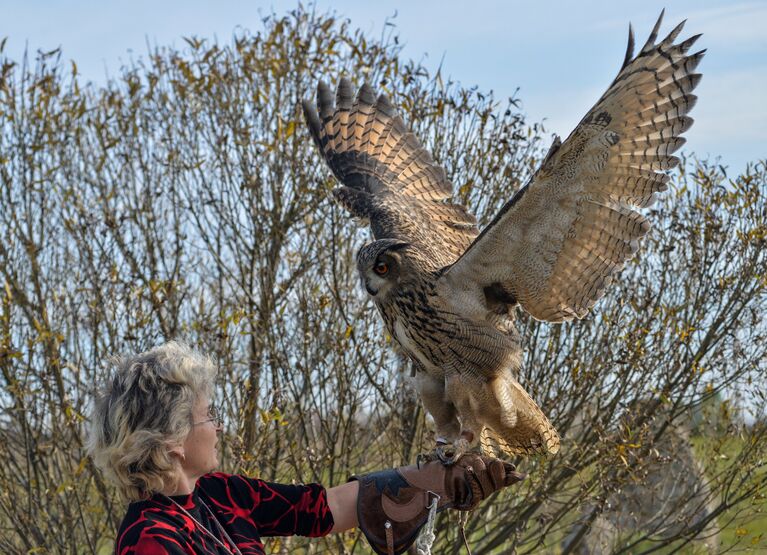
(443, 341)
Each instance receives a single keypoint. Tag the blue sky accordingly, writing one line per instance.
(561, 55)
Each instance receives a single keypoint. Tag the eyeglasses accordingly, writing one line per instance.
(214, 416)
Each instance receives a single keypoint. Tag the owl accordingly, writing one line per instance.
(448, 293)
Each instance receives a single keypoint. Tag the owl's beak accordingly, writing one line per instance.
(372, 292)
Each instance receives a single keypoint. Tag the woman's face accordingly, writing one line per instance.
(200, 453)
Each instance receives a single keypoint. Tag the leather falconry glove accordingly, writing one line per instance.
(394, 504)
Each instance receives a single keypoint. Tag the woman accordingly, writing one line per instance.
(154, 435)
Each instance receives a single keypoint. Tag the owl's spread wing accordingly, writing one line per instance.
(555, 246)
(387, 177)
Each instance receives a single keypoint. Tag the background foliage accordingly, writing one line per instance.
(185, 200)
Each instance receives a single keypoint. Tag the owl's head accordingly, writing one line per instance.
(380, 265)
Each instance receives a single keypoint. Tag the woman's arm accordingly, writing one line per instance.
(342, 501)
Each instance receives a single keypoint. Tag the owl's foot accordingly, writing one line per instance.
(449, 453)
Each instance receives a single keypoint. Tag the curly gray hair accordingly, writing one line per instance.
(145, 409)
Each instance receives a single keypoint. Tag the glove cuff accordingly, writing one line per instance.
(393, 505)
(391, 508)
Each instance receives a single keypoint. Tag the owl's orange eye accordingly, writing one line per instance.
(381, 268)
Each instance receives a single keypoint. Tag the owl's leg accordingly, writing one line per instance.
(463, 444)
(444, 413)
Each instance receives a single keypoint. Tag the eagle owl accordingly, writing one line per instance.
(448, 293)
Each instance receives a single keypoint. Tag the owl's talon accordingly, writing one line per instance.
(423, 458)
(448, 455)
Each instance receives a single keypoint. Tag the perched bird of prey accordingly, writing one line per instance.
(447, 293)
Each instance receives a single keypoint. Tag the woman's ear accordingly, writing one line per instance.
(177, 451)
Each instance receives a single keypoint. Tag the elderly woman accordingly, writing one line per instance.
(155, 435)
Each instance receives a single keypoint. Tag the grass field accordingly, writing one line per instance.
(744, 527)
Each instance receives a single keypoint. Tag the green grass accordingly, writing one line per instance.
(743, 527)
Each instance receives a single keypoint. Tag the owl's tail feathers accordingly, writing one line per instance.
(521, 428)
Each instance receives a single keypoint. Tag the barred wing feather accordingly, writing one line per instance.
(556, 245)
(387, 177)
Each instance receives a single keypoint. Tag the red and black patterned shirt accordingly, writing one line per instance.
(246, 508)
